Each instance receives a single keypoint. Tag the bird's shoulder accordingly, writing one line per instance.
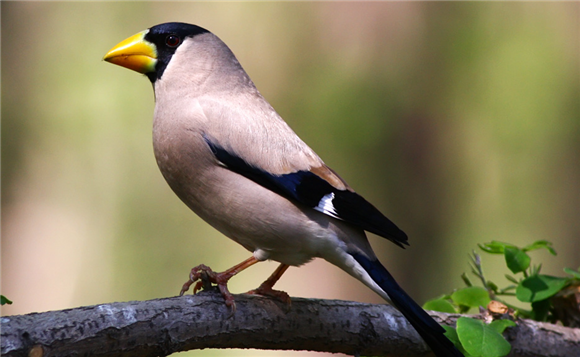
(257, 135)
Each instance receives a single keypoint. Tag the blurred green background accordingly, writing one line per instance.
(460, 121)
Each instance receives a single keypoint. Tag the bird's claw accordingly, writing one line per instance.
(203, 277)
(265, 290)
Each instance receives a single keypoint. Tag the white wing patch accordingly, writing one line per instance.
(326, 206)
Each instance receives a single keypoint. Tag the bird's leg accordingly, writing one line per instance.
(266, 287)
(203, 277)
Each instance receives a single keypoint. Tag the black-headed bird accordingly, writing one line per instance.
(235, 162)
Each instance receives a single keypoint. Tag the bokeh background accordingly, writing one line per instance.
(460, 121)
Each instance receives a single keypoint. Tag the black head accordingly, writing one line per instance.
(167, 38)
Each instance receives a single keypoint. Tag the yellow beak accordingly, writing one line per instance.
(134, 53)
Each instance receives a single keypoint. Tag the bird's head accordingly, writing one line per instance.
(150, 51)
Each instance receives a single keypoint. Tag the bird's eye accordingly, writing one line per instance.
(172, 40)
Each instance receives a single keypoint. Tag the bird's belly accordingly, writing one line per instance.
(251, 215)
(254, 220)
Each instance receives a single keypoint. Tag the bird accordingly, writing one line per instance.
(230, 157)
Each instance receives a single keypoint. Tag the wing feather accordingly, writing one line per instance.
(321, 189)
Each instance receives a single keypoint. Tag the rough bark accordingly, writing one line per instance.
(163, 326)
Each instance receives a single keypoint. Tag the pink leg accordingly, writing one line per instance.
(266, 288)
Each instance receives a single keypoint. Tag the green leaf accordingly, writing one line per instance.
(492, 286)
(540, 244)
(535, 270)
(574, 273)
(473, 296)
(541, 309)
(500, 325)
(539, 287)
(4, 300)
(507, 289)
(481, 340)
(495, 247)
(441, 305)
(451, 334)
(512, 279)
(466, 279)
(516, 259)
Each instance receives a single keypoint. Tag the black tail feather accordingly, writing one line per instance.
(428, 329)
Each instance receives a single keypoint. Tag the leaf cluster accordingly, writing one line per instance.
(528, 285)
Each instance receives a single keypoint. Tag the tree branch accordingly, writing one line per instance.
(163, 326)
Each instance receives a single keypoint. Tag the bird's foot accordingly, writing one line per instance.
(204, 277)
(265, 290)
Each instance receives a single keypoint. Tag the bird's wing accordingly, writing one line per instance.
(319, 188)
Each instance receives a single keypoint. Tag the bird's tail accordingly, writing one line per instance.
(428, 329)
